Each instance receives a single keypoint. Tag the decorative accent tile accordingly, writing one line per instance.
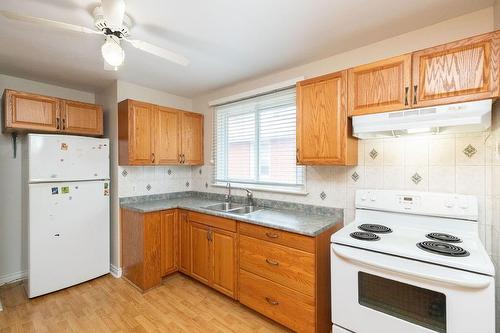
(416, 178)
(169, 172)
(469, 151)
(187, 184)
(206, 184)
(373, 154)
(322, 195)
(148, 187)
(355, 176)
(124, 173)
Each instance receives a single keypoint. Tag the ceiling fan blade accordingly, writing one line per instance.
(159, 52)
(114, 11)
(51, 23)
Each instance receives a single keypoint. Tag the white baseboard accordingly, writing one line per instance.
(115, 271)
(12, 277)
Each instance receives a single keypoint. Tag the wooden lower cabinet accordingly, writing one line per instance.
(141, 248)
(200, 252)
(284, 305)
(283, 275)
(168, 242)
(184, 243)
(224, 264)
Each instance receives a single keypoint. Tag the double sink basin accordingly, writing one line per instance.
(233, 208)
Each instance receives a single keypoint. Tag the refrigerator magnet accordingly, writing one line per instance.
(65, 189)
(55, 190)
(64, 146)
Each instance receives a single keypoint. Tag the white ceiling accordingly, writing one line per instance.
(227, 41)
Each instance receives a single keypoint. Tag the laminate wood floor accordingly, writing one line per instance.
(107, 304)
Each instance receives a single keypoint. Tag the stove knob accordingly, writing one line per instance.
(363, 198)
(449, 204)
(373, 199)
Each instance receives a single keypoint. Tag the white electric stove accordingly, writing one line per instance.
(412, 262)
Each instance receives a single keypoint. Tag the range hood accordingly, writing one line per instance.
(453, 118)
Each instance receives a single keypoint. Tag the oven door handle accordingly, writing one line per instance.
(370, 259)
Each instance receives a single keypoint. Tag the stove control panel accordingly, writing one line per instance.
(420, 203)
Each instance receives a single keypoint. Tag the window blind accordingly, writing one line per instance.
(255, 142)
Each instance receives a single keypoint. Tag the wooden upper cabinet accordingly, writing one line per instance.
(136, 133)
(168, 147)
(26, 112)
(323, 129)
(461, 71)
(192, 138)
(380, 86)
(156, 135)
(81, 118)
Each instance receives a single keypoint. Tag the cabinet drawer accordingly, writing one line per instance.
(213, 221)
(290, 239)
(279, 303)
(286, 266)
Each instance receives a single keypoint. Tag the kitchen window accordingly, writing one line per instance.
(255, 143)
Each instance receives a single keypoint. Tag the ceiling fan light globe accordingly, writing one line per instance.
(112, 53)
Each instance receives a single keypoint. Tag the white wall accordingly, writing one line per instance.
(10, 178)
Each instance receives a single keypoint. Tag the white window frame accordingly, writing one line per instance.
(299, 189)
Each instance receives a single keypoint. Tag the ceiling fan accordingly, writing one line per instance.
(111, 21)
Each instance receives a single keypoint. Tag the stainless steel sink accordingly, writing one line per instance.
(245, 210)
(225, 206)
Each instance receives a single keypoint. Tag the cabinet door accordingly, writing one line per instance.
(381, 86)
(81, 118)
(141, 133)
(26, 111)
(200, 252)
(322, 126)
(184, 243)
(168, 142)
(224, 261)
(461, 71)
(192, 138)
(168, 242)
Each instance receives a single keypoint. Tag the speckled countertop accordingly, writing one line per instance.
(289, 220)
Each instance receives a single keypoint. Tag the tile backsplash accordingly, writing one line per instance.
(461, 163)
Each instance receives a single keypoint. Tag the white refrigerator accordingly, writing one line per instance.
(66, 207)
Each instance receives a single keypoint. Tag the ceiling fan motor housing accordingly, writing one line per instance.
(101, 24)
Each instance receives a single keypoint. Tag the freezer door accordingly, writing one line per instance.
(68, 240)
(67, 158)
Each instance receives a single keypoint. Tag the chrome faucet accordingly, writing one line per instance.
(228, 196)
(249, 197)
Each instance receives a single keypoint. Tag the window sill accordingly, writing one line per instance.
(264, 188)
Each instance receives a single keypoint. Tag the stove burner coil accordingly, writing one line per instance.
(376, 228)
(445, 249)
(368, 236)
(443, 237)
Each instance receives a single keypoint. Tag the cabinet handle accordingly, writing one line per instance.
(272, 301)
(415, 89)
(183, 158)
(153, 157)
(272, 235)
(272, 262)
(297, 156)
(406, 95)
(64, 123)
(57, 123)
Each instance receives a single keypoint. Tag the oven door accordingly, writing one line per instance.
(374, 292)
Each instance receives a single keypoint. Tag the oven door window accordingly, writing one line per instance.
(416, 305)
